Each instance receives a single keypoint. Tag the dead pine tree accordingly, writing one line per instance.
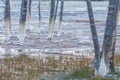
(118, 15)
(61, 17)
(39, 13)
(94, 36)
(105, 62)
(22, 22)
(29, 13)
(112, 52)
(7, 18)
(51, 20)
(56, 10)
(109, 39)
(29, 8)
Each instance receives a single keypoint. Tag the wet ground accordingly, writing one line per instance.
(76, 34)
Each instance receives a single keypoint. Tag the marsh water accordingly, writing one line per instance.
(75, 37)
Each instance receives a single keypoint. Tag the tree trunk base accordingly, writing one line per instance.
(103, 69)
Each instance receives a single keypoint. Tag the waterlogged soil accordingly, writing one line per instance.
(75, 35)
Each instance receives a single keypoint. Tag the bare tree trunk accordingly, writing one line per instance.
(7, 17)
(61, 17)
(112, 53)
(39, 13)
(29, 8)
(119, 15)
(108, 36)
(94, 36)
(56, 9)
(29, 12)
(22, 23)
(51, 20)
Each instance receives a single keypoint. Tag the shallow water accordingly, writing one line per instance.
(76, 34)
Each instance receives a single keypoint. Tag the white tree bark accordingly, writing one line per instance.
(108, 37)
(39, 13)
(94, 36)
(29, 13)
(103, 69)
(112, 52)
(56, 9)
(22, 24)
(61, 17)
(119, 15)
(51, 20)
(7, 18)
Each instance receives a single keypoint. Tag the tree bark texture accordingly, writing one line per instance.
(7, 16)
(94, 36)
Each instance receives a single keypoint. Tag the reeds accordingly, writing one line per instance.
(24, 67)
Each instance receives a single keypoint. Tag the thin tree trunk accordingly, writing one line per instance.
(94, 36)
(7, 17)
(51, 20)
(39, 13)
(29, 12)
(61, 17)
(29, 8)
(112, 53)
(22, 23)
(119, 15)
(108, 36)
(56, 9)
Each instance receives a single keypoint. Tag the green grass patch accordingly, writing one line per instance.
(85, 72)
(100, 78)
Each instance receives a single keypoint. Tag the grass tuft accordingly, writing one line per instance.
(85, 72)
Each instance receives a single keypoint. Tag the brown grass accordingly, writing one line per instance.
(23, 67)
(117, 60)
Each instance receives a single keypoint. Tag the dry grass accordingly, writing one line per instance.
(23, 67)
(117, 60)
